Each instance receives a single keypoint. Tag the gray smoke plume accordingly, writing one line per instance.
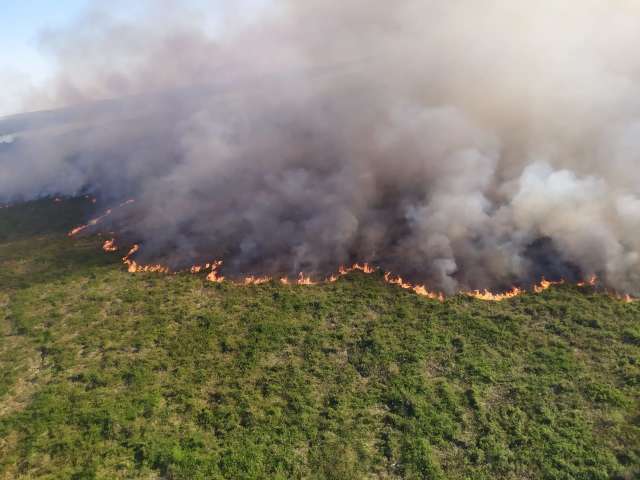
(464, 144)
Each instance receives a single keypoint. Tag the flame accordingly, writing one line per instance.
(625, 298)
(134, 267)
(91, 223)
(342, 271)
(546, 285)
(97, 220)
(214, 276)
(110, 246)
(302, 279)
(133, 251)
(203, 268)
(594, 280)
(488, 296)
(422, 291)
(365, 268)
(251, 280)
(590, 283)
(418, 289)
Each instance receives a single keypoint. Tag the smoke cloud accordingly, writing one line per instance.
(463, 144)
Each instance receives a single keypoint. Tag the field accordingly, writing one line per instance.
(110, 375)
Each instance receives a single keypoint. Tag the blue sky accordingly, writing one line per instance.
(21, 22)
(22, 62)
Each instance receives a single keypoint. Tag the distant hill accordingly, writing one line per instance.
(109, 375)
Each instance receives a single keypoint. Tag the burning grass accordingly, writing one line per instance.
(174, 376)
(214, 275)
(214, 267)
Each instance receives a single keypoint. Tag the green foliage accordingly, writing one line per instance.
(108, 375)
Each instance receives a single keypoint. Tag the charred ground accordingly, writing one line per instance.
(105, 374)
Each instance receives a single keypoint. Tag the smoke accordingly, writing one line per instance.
(463, 144)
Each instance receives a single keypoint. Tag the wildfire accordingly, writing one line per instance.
(488, 296)
(110, 246)
(364, 268)
(418, 289)
(251, 280)
(214, 270)
(627, 298)
(546, 285)
(589, 283)
(91, 223)
(303, 280)
(135, 249)
(134, 267)
(215, 276)
(97, 220)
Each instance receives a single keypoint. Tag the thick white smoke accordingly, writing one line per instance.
(462, 143)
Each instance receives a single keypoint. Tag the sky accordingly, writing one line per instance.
(22, 20)
(24, 64)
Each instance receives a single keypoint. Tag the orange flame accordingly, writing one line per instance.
(213, 275)
(488, 296)
(590, 283)
(418, 289)
(97, 220)
(545, 285)
(365, 268)
(110, 246)
(251, 280)
(133, 251)
(134, 267)
(302, 279)
(91, 223)
(628, 299)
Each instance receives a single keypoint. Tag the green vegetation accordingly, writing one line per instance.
(109, 375)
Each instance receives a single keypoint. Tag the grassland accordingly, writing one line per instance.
(109, 375)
